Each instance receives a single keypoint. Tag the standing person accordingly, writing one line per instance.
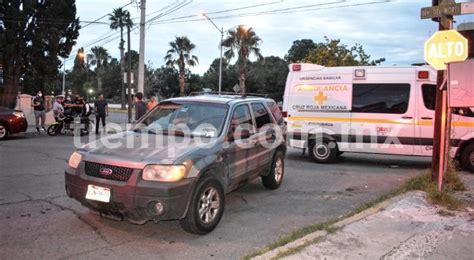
(40, 114)
(152, 103)
(140, 106)
(86, 112)
(101, 111)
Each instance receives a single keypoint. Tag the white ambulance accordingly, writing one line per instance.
(383, 110)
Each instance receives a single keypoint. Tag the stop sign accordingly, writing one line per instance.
(444, 47)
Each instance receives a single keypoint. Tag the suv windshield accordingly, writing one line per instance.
(185, 118)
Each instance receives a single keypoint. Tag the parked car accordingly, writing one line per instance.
(11, 122)
(180, 159)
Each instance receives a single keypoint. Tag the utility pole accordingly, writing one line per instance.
(442, 11)
(445, 23)
(129, 79)
(64, 77)
(221, 30)
(141, 57)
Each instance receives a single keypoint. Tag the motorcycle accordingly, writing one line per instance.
(68, 123)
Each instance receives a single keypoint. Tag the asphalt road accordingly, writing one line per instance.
(38, 220)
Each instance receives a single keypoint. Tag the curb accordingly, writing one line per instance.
(303, 241)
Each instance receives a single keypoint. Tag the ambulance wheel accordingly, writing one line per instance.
(467, 158)
(323, 151)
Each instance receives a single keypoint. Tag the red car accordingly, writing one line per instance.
(11, 122)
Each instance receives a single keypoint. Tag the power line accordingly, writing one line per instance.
(117, 34)
(51, 22)
(168, 10)
(271, 12)
(105, 15)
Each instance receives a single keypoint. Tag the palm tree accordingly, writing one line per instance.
(99, 58)
(244, 42)
(180, 55)
(119, 19)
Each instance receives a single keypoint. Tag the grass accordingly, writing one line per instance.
(297, 249)
(421, 182)
(445, 198)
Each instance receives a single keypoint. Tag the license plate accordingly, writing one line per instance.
(98, 193)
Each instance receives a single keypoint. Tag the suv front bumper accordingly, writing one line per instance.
(134, 200)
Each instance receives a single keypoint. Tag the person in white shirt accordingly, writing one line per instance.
(58, 109)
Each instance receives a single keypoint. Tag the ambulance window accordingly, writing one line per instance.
(429, 95)
(380, 98)
(261, 115)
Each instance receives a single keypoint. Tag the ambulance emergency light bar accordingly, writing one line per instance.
(423, 74)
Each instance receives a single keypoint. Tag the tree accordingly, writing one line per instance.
(112, 78)
(100, 58)
(33, 34)
(268, 78)
(120, 18)
(243, 42)
(299, 50)
(210, 79)
(180, 55)
(134, 56)
(332, 53)
(166, 82)
(80, 72)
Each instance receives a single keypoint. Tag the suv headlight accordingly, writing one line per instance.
(74, 160)
(164, 173)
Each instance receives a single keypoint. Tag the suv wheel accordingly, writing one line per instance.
(467, 158)
(274, 179)
(206, 208)
(324, 151)
(3, 131)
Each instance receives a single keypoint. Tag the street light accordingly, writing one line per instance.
(89, 94)
(221, 30)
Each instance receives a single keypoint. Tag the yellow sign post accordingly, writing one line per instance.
(444, 47)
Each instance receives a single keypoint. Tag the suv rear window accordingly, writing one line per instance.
(275, 111)
(262, 117)
(380, 98)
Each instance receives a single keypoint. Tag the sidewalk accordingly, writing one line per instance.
(407, 227)
(114, 117)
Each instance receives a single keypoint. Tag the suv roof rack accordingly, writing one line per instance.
(228, 94)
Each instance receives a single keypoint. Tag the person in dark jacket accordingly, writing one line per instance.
(140, 106)
(101, 111)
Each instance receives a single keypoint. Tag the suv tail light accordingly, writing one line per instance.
(284, 113)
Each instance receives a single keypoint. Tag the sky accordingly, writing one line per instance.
(389, 29)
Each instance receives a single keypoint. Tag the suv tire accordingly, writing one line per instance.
(206, 207)
(324, 151)
(467, 158)
(274, 179)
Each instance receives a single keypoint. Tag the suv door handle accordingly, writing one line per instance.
(427, 118)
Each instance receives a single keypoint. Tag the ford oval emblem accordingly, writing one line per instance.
(105, 171)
